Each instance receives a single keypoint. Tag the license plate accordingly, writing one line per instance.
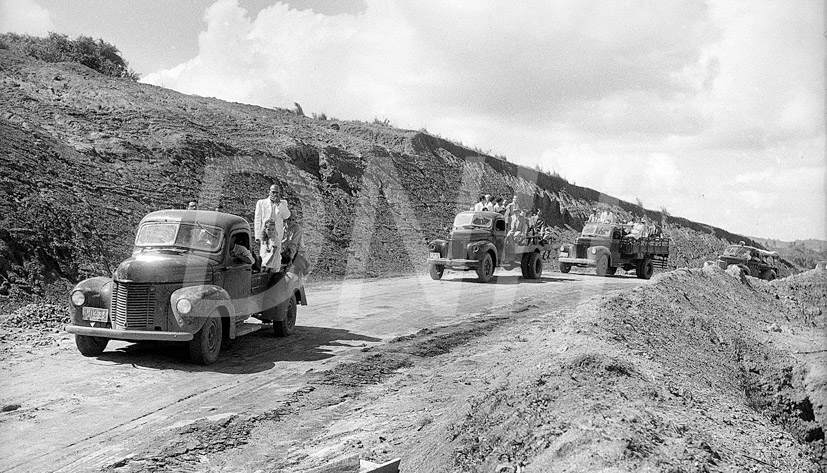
(433, 255)
(94, 314)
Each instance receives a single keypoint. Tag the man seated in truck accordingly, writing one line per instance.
(638, 230)
(518, 229)
(240, 252)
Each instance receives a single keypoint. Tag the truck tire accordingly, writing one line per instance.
(436, 271)
(90, 346)
(645, 268)
(768, 275)
(602, 266)
(485, 269)
(565, 268)
(206, 344)
(532, 266)
(283, 328)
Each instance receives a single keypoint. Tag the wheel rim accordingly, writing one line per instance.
(602, 265)
(488, 266)
(538, 267)
(291, 314)
(212, 336)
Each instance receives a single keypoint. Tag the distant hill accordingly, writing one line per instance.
(804, 254)
(85, 156)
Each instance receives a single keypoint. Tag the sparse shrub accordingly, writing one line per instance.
(97, 55)
(384, 122)
(319, 116)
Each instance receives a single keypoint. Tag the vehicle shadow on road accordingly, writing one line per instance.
(508, 279)
(253, 353)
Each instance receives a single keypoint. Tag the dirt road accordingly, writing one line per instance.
(77, 414)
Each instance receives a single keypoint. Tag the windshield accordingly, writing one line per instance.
(472, 220)
(597, 230)
(737, 250)
(191, 236)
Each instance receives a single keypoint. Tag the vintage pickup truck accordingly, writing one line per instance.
(183, 284)
(478, 242)
(753, 261)
(608, 246)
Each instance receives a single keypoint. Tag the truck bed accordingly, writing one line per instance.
(654, 246)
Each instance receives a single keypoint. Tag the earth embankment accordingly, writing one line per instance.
(85, 156)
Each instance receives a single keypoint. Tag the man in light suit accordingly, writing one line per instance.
(275, 209)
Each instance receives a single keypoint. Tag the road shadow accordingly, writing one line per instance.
(509, 279)
(612, 276)
(253, 353)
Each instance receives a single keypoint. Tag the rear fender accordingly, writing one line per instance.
(205, 299)
(302, 298)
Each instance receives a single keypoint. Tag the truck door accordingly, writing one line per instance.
(237, 273)
(499, 236)
(614, 246)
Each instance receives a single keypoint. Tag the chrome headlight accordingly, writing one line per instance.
(594, 251)
(184, 306)
(78, 298)
(562, 247)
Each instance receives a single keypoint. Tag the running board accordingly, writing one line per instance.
(244, 328)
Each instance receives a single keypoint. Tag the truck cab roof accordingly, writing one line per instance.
(224, 221)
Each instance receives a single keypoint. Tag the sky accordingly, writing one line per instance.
(713, 110)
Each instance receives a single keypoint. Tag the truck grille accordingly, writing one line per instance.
(580, 251)
(133, 306)
(456, 249)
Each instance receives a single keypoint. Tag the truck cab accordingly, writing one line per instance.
(183, 284)
(753, 261)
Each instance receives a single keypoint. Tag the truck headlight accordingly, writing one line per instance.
(594, 251)
(78, 298)
(562, 247)
(184, 306)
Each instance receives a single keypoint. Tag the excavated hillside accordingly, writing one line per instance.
(85, 156)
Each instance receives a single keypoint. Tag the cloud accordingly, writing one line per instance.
(24, 17)
(541, 61)
(663, 101)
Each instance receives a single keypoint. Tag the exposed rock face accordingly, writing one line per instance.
(84, 157)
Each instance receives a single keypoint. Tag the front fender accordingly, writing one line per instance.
(438, 246)
(477, 250)
(205, 299)
(98, 293)
(595, 252)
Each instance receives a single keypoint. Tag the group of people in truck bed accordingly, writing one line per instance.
(637, 227)
(523, 228)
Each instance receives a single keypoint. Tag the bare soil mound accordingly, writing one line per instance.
(699, 371)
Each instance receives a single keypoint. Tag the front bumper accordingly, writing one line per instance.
(577, 261)
(449, 263)
(129, 334)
